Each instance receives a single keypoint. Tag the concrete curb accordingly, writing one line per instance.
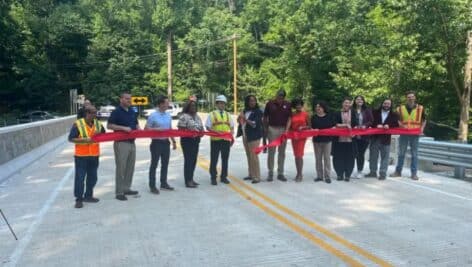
(14, 166)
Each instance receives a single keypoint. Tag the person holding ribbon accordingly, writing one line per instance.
(124, 119)
(190, 121)
(219, 121)
(322, 119)
(364, 121)
(86, 156)
(298, 121)
(384, 118)
(411, 117)
(160, 146)
(276, 114)
(344, 151)
(251, 129)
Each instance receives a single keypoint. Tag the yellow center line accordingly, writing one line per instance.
(314, 225)
(203, 163)
(311, 224)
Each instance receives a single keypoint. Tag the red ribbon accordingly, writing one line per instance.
(120, 136)
(336, 132)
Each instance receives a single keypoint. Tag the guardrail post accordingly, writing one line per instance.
(459, 172)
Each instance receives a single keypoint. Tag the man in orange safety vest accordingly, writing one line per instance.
(86, 155)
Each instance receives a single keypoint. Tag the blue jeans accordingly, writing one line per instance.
(85, 172)
(402, 147)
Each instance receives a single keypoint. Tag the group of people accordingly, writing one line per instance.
(254, 124)
(124, 119)
(281, 116)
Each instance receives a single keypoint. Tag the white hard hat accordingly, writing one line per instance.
(221, 98)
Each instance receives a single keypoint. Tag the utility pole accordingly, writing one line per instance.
(235, 74)
(465, 101)
(169, 65)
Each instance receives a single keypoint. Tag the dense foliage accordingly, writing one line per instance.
(312, 48)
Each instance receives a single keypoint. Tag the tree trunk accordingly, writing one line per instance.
(232, 6)
(465, 98)
(169, 65)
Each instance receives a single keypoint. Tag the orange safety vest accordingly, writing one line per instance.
(411, 120)
(86, 131)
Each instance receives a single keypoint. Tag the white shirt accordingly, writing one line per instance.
(385, 115)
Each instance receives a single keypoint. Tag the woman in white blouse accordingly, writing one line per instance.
(190, 121)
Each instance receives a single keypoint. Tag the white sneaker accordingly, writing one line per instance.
(357, 175)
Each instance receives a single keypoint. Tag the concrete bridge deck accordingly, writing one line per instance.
(366, 222)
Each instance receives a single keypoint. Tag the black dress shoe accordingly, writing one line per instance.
(195, 183)
(318, 179)
(247, 178)
(131, 192)
(382, 177)
(281, 177)
(371, 175)
(166, 187)
(256, 181)
(213, 181)
(91, 200)
(190, 185)
(225, 180)
(154, 190)
(328, 181)
(78, 204)
(339, 178)
(346, 179)
(270, 178)
(121, 197)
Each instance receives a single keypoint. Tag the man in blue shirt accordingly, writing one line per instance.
(160, 147)
(123, 118)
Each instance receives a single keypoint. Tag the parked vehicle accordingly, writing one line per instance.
(174, 110)
(36, 115)
(105, 111)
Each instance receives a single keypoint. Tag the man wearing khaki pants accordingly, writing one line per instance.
(123, 118)
(276, 114)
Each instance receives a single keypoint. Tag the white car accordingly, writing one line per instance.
(105, 111)
(174, 111)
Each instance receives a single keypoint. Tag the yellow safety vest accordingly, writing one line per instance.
(411, 120)
(85, 131)
(220, 123)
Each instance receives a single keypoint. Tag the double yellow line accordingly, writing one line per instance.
(239, 188)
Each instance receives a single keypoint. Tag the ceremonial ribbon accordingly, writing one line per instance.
(336, 132)
(120, 136)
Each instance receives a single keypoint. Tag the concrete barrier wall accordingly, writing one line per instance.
(20, 139)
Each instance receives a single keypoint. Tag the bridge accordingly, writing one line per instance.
(366, 222)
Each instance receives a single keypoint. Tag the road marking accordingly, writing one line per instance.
(203, 163)
(23, 242)
(314, 225)
(310, 223)
(432, 189)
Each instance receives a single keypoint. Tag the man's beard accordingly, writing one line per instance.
(411, 105)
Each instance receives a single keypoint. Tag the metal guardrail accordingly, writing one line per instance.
(458, 155)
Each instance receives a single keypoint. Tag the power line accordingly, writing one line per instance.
(129, 78)
(148, 56)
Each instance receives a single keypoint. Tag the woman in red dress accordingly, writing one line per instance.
(299, 121)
